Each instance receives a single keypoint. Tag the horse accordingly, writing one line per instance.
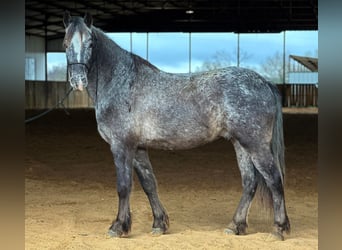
(138, 106)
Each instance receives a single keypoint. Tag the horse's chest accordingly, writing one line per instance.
(112, 126)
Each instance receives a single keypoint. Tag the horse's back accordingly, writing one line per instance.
(187, 110)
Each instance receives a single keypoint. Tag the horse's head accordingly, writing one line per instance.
(78, 47)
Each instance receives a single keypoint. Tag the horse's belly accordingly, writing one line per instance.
(178, 135)
(175, 143)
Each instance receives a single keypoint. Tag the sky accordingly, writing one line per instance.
(170, 51)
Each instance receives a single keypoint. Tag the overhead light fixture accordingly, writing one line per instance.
(189, 11)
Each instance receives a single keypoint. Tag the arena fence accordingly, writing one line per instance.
(44, 95)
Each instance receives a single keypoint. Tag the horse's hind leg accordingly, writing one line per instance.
(144, 170)
(264, 162)
(249, 183)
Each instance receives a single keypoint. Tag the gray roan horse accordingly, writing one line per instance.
(138, 106)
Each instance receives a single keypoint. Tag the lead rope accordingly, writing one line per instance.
(97, 80)
(50, 109)
(57, 104)
(97, 72)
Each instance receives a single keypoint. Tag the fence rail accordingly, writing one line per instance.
(44, 95)
(299, 95)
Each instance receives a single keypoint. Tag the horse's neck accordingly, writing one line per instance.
(109, 55)
(110, 63)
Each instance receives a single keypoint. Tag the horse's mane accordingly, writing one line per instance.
(104, 39)
(141, 61)
(109, 43)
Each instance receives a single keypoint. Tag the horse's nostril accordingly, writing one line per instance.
(78, 81)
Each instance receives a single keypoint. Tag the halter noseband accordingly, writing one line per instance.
(79, 63)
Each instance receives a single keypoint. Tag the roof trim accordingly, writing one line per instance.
(310, 63)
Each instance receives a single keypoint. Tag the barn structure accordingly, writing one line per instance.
(45, 31)
(302, 87)
(70, 194)
(303, 70)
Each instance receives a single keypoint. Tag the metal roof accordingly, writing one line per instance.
(44, 17)
(310, 63)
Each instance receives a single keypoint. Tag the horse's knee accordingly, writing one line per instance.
(249, 182)
(123, 189)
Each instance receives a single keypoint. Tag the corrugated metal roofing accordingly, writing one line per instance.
(44, 17)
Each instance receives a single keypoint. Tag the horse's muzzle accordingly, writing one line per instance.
(78, 82)
(78, 77)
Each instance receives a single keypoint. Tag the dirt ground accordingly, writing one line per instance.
(71, 197)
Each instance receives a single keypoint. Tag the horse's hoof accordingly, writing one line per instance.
(113, 234)
(275, 236)
(156, 231)
(229, 231)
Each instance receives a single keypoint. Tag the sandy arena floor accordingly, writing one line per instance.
(71, 197)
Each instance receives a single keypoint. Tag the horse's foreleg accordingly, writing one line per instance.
(148, 182)
(249, 183)
(123, 158)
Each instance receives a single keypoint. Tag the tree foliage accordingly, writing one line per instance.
(221, 59)
(272, 68)
(57, 73)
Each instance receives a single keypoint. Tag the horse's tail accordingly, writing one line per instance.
(277, 149)
(277, 146)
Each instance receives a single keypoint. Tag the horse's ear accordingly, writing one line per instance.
(66, 18)
(88, 19)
